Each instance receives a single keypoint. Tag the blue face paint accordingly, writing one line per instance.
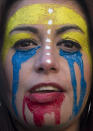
(72, 58)
(18, 58)
(22, 56)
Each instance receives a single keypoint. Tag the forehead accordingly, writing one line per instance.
(46, 14)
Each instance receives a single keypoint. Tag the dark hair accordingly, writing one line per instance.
(5, 6)
(86, 118)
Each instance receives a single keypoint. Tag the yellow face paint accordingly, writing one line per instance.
(12, 39)
(48, 15)
(80, 38)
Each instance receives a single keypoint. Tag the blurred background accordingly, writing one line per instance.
(90, 7)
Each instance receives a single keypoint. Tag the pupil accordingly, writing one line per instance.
(69, 45)
(25, 44)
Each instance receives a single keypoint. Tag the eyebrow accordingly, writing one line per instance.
(25, 28)
(67, 28)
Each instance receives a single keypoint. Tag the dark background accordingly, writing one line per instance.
(90, 7)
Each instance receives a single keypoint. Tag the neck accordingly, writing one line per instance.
(73, 127)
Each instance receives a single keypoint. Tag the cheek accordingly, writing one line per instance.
(25, 74)
(83, 88)
(18, 59)
(9, 68)
(78, 76)
(9, 75)
(87, 72)
(25, 77)
(72, 59)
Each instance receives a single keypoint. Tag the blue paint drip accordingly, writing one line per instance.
(71, 59)
(18, 58)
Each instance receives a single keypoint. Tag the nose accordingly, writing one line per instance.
(47, 61)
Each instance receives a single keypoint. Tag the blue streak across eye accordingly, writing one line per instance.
(22, 56)
(18, 58)
(72, 58)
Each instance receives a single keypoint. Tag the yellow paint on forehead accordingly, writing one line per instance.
(38, 14)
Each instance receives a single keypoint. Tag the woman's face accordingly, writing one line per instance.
(47, 62)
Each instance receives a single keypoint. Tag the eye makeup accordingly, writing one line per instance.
(71, 59)
(50, 22)
(12, 39)
(48, 54)
(48, 61)
(80, 38)
(25, 44)
(48, 40)
(49, 31)
(18, 59)
(47, 47)
(50, 11)
(46, 14)
(35, 14)
(69, 46)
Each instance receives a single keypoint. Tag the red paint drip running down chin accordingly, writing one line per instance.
(39, 109)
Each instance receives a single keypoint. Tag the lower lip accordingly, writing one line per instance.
(44, 97)
(42, 103)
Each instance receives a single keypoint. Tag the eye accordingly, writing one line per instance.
(69, 45)
(25, 44)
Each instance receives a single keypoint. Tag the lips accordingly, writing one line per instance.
(42, 99)
(46, 87)
(45, 92)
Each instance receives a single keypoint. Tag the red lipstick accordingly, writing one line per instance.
(44, 98)
(48, 92)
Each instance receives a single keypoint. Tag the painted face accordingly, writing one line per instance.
(48, 63)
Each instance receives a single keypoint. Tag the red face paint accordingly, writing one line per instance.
(41, 103)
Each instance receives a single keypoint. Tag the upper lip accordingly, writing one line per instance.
(40, 85)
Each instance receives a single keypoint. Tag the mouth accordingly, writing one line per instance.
(45, 92)
(42, 99)
(46, 88)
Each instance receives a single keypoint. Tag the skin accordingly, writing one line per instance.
(56, 61)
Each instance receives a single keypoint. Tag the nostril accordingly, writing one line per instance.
(53, 69)
(40, 69)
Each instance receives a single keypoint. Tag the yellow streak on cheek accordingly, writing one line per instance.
(11, 40)
(82, 39)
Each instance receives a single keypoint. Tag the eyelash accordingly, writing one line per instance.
(69, 44)
(65, 45)
(25, 43)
